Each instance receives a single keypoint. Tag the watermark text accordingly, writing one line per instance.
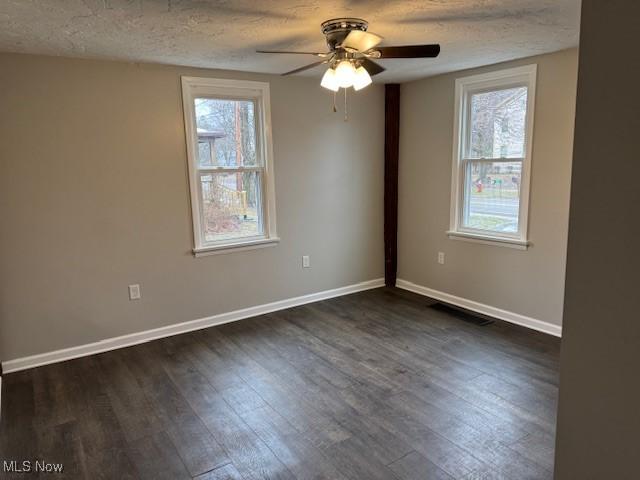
(31, 466)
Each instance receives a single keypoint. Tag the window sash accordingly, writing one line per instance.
(465, 199)
(257, 121)
(260, 209)
(262, 213)
(466, 111)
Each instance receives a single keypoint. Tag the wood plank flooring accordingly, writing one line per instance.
(375, 385)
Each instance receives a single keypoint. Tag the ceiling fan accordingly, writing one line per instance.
(351, 50)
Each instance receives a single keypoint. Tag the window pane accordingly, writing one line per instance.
(493, 196)
(497, 124)
(231, 205)
(226, 132)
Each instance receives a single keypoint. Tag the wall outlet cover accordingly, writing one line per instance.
(134, 292)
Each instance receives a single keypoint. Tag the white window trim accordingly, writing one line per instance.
(193, 87)
(518, 76)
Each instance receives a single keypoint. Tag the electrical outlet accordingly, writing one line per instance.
(134, 292)
(441, 258)
(306, 262)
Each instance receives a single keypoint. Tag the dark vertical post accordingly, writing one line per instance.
(391, 153)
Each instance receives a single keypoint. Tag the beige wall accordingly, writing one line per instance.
(529, 283)
(94, 196)
(598, 414)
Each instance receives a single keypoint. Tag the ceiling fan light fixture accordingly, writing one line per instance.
(345, 74)
(330, 80)
(361, 78)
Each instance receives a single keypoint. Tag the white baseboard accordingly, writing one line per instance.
(478, 307)
(170, 330)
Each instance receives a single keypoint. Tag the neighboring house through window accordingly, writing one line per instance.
(492, 156)
(230, 163)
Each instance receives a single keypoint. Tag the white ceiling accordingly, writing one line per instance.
(225, 34)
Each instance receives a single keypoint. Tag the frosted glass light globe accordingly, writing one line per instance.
(361, 79)
(330, 80)
(345, 74)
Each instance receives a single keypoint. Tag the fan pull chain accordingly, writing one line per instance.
(335, 109)
(346, 114)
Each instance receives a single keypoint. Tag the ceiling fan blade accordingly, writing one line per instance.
(317, 54)
(408, 51)
(360, 41)
(306, 67)
(372, 67)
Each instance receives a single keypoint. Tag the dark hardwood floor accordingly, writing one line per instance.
(375, 385)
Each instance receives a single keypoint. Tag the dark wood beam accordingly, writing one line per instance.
(391, 153)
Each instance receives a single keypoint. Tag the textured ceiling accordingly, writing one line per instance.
(225, 34)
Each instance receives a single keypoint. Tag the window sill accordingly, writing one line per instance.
(235, 247)
(489, 240)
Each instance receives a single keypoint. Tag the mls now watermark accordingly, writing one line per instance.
(28, 466)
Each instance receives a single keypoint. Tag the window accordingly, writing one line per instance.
(230, 163)
(492, 156)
